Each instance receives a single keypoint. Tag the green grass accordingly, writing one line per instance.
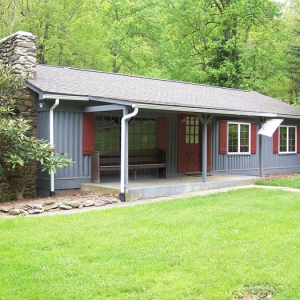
(209, 247)
(293, 182)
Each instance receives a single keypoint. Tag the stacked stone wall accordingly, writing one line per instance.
(19, 50)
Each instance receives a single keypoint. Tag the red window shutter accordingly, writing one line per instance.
(162, 133)
(298, 139)
(253, 138)
(275, 141)
(88, 133)
(223, 138)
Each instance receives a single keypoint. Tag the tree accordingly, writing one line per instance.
(211, 38)
(293, 58)
(19, 150)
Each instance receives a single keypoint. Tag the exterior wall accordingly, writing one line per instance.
(249, 164)
(67, 139)
(19, 50)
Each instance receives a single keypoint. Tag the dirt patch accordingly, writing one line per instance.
(278, 176)
(260, 292)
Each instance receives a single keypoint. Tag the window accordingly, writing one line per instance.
(191, 130)
(287, 139)
(107, 133)
(142, 134)
(239, 138)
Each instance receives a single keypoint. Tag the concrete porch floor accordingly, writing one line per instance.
(147, 188)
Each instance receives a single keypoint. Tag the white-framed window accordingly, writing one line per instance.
(287, 139)
(238, 138)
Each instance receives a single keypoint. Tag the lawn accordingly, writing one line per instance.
(292, 182)
(210, 247)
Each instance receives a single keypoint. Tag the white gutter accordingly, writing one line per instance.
(52, 190)
(123, 150)
(204, 110)
(65, 97)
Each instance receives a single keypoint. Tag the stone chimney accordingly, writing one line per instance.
(19, 50)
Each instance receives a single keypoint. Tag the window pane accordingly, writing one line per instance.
(233, 138)
(283, 139)
(244, 138)
(151, 127)
(192, 130)
(187, 129)
(292, 139)
(187, 139)
(192, 139)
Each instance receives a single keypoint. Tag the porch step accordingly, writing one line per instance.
(155, 188)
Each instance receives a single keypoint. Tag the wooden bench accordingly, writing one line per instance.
(137, 160)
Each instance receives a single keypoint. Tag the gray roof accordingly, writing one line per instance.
(147, 91)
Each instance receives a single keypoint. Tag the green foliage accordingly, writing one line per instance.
(20, 150)
(10, 84)
(232, 43)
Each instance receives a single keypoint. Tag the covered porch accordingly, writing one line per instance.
(147, 188)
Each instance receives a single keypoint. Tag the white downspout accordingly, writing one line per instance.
(123, 150)
(52, 190)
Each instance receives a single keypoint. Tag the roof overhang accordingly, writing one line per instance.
(196, 110)
(64, 97)
(205, 110)
(44, 96)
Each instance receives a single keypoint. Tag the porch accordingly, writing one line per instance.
(147, 188)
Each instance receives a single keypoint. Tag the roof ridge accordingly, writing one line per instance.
(144, 77)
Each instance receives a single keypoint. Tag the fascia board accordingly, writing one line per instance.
(205, 110)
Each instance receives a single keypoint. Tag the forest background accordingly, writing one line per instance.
(246, 44)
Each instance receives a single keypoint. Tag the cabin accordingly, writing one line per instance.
(122, 128)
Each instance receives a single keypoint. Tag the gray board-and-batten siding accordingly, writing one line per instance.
(68, 139)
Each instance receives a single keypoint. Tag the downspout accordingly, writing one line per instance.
(123, 150)
(52, 190)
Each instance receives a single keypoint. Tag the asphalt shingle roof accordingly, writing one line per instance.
(141, 90)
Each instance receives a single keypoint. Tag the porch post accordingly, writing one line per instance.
(261, 154)
(204, 151)
(204, 121)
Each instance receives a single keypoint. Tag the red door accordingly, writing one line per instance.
(189, 146)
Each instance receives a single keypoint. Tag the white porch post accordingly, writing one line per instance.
(204, 152)
(204, 121)
(261, 153)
